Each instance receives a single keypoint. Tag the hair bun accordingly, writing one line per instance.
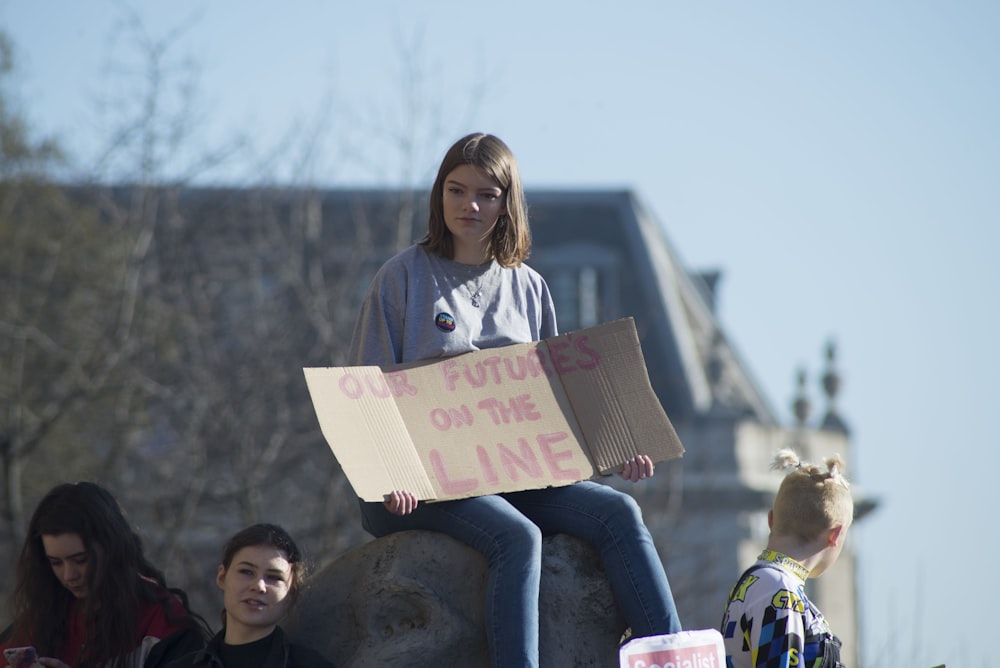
(785, 459)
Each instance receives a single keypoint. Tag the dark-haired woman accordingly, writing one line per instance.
(260, 575)
(86, 596)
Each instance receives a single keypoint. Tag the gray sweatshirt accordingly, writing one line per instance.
(421, 305)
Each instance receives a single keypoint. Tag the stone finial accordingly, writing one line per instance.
(831, 383)
(831, 378)
(800, 404)
(714, 366)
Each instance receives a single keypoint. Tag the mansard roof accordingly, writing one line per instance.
(694, 368)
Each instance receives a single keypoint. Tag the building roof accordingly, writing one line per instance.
(694, 368)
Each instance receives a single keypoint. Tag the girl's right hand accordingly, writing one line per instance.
(400, 502)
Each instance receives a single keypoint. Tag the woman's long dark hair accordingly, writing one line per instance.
(119, 578)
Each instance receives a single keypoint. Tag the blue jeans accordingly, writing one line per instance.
(508, 528)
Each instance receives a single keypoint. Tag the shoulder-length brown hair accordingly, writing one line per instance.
(511, 241)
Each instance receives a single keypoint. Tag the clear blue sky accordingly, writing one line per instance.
(840, 162)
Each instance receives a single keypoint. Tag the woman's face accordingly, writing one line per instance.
(69, 560)
(472, 202)
(255, 591)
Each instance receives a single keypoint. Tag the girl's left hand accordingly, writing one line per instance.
(638, 468)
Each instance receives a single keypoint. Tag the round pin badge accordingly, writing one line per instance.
(445, 322)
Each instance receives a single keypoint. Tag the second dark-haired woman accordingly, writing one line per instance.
(260, 575)
(85, 595)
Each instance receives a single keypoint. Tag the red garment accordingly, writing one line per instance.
(152, 626)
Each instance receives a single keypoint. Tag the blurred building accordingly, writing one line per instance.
(605, 257)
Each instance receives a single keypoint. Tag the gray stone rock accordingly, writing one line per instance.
(416, 599)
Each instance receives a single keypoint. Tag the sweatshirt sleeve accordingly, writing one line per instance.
(378, 331)
(548, 312)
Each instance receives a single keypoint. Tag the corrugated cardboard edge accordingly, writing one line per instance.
(615, 406)
(392, 462)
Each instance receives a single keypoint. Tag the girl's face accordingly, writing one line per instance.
(69, 560)
(472, 202)
(255, 592)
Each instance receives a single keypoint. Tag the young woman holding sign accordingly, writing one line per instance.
(465, 287)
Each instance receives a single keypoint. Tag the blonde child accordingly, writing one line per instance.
(769, 621)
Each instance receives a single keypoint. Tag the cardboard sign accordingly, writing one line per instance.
(687, 649)
(525, 416)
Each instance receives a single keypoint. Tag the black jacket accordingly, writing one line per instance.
(283, 654)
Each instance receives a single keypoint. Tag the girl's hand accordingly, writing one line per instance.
(638, 468)
(400, 502)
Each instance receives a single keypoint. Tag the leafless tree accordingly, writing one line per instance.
(168, 364)
(65, 317)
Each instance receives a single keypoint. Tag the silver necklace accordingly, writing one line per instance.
(477, 294)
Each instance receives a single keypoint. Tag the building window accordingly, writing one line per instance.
(583, 279)
(589, 303)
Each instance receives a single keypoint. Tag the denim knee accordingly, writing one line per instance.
(621, 510)
(519, 537)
